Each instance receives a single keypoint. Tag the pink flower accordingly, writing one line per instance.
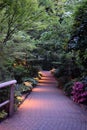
(79, 93)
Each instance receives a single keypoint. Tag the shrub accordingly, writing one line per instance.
(19, 91)
(68, 88)
(19, 73)
(79, 93)
(61, 71)
(84, 80)
(4, 94)
(33, 81)
(33, 70)
(62, 75)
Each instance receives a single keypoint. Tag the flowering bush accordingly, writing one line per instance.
(79, 92)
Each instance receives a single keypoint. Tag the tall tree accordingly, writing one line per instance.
(17, 15)
(78, 41)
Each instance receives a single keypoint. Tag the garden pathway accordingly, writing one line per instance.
(47, 108)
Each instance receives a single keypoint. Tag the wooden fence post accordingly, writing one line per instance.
(11, 105)
(10, 101)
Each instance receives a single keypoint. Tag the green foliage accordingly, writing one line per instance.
(21, 92)
(34, 29)
(22, 21)
(60, 72)
(4, 94)
(80, 27)
(18, 15)
(68, 88)
(78, 41)
(19, 72)
(33, 81)
(21, 89)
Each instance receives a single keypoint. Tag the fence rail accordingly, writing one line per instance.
(10, 101)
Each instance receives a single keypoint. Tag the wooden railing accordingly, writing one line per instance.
(10, 84)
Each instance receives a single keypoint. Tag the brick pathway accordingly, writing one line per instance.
(46, 108)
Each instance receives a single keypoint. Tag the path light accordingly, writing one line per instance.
(14, 64)
(53, 70)
(36, 78)
(28, 84)
(40, 73)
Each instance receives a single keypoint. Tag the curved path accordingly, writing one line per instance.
(46, 108)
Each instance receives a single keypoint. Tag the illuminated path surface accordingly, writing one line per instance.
(46, 108)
